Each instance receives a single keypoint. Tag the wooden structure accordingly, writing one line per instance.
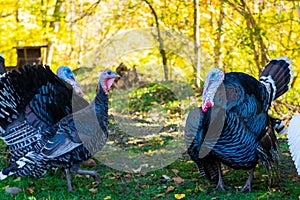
(29, 55)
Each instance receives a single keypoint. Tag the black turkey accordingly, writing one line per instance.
(294, 140)
(32, 100)
(233, 126)
(2, 64)
(74, 139)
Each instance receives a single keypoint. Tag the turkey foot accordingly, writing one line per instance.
(80, 171)
(248, 183)
(221, 186)
(91, 173)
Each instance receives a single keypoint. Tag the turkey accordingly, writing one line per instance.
(2, 64)
(233, 126)
(33, 99)
(294, 140)
(72, 140)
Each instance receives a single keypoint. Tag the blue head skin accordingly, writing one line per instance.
(66, 74)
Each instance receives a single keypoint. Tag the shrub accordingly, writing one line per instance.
(143, 98)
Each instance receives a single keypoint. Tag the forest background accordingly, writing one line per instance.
(163, 40)
(232, 35)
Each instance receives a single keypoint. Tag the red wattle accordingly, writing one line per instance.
(207, 105)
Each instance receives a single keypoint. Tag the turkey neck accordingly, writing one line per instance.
(101, 108)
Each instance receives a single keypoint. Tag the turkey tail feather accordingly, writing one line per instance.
(17, 88)
(277, 76)
(268, 152)
(294, 140)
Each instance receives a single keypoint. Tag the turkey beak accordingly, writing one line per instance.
(76, 86)
(114, 75)
(110, 79)
(73, 78)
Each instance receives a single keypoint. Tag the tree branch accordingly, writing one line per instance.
(160, 41)
(197, 65)
(87, 13)
(6, 15)
(254, 33)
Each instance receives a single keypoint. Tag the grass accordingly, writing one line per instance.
(181, 177)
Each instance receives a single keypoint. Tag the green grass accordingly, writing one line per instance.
(152, 185)
(163, 183)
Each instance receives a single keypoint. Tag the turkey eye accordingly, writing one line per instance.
(109, 72)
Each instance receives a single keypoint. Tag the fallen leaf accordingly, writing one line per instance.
(178, 180)
(143, 174)
(93, 190)
(30, 190)
(5, 187)
(166, 177)
(169, 189)
(160, 195)
(141, 145)
(78, 175)
(139, 169)
(90, 163)
(127, 175)
(95, 183)
(144, 186)
(17, 179)
(285, 154)
(111, 177)
(175, 171)
(179, 196)
(88, 176)
(189, 190)
(107, 198)
(13, 190)
(198, 188)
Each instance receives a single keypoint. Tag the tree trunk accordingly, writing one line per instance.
(160, 41)
(258, 46)
(197, 65)
(55, 26)
(217, 47)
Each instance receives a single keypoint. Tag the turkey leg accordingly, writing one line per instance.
(220, 184)
(248, 182)
(68, 180)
